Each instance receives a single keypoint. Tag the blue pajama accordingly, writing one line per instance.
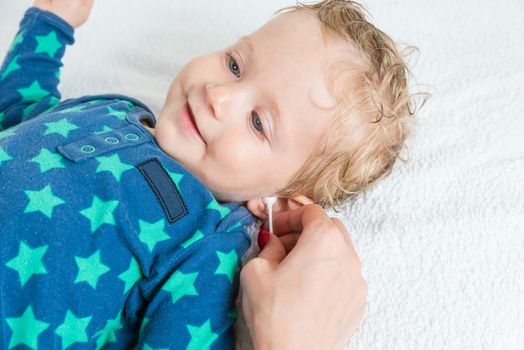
(105, 240)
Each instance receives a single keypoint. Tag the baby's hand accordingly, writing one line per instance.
(74, 12)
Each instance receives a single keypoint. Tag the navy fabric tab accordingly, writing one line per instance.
(96, 145)
(164, 189)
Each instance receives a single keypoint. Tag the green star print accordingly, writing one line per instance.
(33, 92)
(114, 165)
(107, 334)
(47, 160)
(131, 275)
(62, 127)
(90, 269)
(228, 264)
(20, 326)
(43, 201)
(28, 262)
(201, 337)
(119, 114)
(100, 213)
(48, 43)
(152, 233)
(73, 329)
(181, 284)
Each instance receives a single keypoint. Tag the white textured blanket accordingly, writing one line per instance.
(442, 239)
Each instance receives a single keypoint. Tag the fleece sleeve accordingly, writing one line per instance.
(30, 72)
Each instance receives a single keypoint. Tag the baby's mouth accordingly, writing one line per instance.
(193, 122)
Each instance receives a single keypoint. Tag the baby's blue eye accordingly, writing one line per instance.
(257, 123)
(233, 66)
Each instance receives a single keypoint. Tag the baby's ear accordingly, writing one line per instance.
(258, 208)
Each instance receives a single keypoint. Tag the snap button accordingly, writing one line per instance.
(112, 140)
(131, 137)
(87, 149)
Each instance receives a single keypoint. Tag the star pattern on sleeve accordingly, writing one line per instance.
(228, 264)
(90, 269)
(114, 165)
(100, 212)
(47, 160)
(48, 44)
(107, 334)
(33, 92)
(202, 337)
(181, 284)
(43, 201)
(131, 275)
(20, 327)
(28, 262)
(119, 114)
(73, 330)
(62, 127)
(152, 233)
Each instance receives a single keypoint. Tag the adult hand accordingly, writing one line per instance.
(74, 12)
(305, 290)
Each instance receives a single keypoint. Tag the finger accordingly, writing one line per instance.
(342, 229)
(274, 251)
(295, 220)
(289, 241)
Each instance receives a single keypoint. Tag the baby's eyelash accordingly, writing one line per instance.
(231, 61)
(260, 133)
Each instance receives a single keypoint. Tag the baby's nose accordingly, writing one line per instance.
(216, 98)
(228, 100)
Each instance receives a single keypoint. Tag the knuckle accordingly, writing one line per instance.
(248, 270)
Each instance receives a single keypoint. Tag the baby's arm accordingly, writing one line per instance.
(29, 75)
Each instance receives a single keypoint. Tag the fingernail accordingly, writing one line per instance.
(263, 238)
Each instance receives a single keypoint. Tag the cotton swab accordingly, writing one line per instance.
(269, 201)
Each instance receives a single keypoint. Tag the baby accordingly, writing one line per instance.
(122, 230)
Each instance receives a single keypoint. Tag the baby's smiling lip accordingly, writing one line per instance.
(193, 121)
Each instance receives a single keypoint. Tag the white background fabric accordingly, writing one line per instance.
(442, 239)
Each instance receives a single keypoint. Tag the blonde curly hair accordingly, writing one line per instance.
(374, 110)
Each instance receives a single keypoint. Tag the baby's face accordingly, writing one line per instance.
(254, 115)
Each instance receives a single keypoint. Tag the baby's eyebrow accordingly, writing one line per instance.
(248, 43)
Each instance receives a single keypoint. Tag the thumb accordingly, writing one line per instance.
(274, 251)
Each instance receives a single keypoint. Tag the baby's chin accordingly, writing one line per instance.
(225, 197)
(237, 195)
